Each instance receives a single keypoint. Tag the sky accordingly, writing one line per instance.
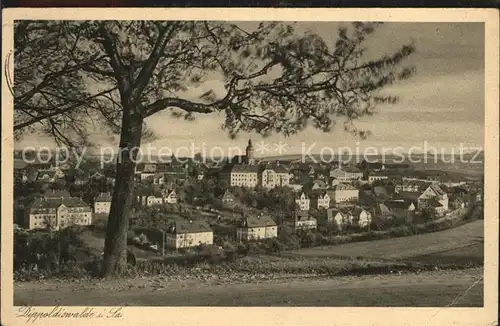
(443, 104)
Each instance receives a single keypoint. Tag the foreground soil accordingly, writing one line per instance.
(462, 288)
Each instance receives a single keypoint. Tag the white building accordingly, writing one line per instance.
(303, 201)
(304, 221)
(346, 174)
(152, 200)
(276, 176)
(362, 216)
(344, 192)
(56, 214)
(295, 187)
(102, 204)
(377, 177)
(186, 234)
(340, 218)
(170, 197)
(256, 228)
(246, 176)
(434, 192)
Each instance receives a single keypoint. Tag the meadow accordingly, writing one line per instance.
(403, 248)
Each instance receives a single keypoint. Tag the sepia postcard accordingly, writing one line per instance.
(259, 166)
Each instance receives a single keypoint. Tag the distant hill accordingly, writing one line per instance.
(388, 158)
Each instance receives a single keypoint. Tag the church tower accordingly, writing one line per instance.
(249, 152)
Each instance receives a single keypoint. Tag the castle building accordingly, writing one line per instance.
(241, 171)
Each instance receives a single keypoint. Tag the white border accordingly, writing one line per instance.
(278, 316)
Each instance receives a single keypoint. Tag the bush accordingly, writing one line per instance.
(211, 254)
(101, 223)
(242, 249)
(41, 253)
(254, 248)
(273, 245)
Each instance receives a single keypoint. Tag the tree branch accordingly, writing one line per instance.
(110, 49)
(60, 111)
(88, 68)
(181, 104)
(47, 79)
(140, 83)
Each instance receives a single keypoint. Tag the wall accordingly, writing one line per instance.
(189, 239)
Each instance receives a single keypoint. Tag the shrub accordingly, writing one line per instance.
(242, 249)
(101, 223)
(47, 253)
(254, 248)
(211, 254)
(273, 245)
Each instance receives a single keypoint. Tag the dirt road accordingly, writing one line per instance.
(425, 289)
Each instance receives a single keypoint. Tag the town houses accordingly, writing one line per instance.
(339, 217)
(231, 197)
(153, 197)
(411, 185)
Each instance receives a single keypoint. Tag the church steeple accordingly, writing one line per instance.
(249, 152)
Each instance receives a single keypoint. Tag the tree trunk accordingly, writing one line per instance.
(115, 247)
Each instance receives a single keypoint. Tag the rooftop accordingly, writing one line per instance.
(42, 203)
(57, 194)
(242, 168)
(395, 204)
(345, 186)
(258, 221)
(409, 195)
(437, 189)
(104, 197)
(183, 227)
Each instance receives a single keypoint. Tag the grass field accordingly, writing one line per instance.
(469, 254)
(95, 241)
(404, 248)
(243, 285)
(427, 289)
